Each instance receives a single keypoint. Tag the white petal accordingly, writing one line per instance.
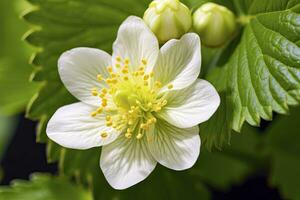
(174, 147)
(136, 42)
(78, 69)
(73, 127)
(179, 63)
(192, 105)
(126, 162)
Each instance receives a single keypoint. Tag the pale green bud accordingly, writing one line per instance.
(214, 23)
(168, 19)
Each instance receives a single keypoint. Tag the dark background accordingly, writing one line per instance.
(24, 156)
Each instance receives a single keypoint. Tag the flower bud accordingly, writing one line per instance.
(214, 23)
(168, 19)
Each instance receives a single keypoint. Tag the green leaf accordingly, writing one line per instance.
(14, 68)
(262, 75)
(44, 187)
(284, 149)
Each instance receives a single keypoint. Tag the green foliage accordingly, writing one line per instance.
(262, 75)
(44, 187)
(283, 146)
(14, 68)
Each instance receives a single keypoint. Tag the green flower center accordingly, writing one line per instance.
(131, 100)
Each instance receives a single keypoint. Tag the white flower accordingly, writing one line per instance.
(142, 104)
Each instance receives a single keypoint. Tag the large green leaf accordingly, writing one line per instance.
(44, 187)
(283, 146)
(15, 88)
(263, 73)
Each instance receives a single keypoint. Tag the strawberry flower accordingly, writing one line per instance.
(142, 104)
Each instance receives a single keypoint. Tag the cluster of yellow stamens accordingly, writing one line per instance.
(134, 97)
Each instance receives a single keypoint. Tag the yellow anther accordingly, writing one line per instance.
(110, 91)
(130, 122)
(125, 78)
(158, 108)
(104, 103)
(125, 70)
(136, 73)
(99, 77)
(152, 92)
(142, 68)
(145, 83)
(113, 75)
(128, 130)
(151, 74)
(104, 134)
(144, 126)
(149, 105)
(144, 61)
(141, 73)
(93, 114)
(118, 58)
(118, 65)
(139, 136)
(109, 123)
(109, 69)
(108, 118)
(128, 135)
(114, 81)
(157, 84)
(94, 93)
(126, 61)
(108, 80)
(170, 86)
(152, 120)
(102, 95)
(146, 77)
(104, 90)
(99, 110)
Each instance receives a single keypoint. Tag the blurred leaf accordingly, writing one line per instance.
(7, 125)
(284, 148)
(221, 169)
(44, 187)
(14, 68)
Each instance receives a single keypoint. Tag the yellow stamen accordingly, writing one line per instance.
(139, 136)
(157, 84)
(170, 86)
(109, 69)
(118, 58)
(93, 114)
(128, 135)
(146, 77)
(126, 61)
(99, 110)
(104, 134)
(144, 61)
(99, 77)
